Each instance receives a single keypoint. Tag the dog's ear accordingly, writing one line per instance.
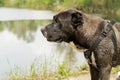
(77, 19)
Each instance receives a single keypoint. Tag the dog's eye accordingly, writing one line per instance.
(55, 20)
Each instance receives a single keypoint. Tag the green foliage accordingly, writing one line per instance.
(50, 4)
(15, 73)
(32, 70)
(115, 69)
(83, 69)
(63, 70)
(1, 3)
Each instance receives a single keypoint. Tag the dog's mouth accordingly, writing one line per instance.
(58, 40)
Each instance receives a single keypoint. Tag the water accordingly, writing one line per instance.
(7, 14)
(22, 44)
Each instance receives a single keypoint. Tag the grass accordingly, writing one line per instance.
(35, 73)
(62, 72)
(115, 69)
(84, 69)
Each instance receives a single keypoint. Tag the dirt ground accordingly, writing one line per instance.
(87, 77)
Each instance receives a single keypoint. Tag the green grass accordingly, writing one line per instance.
(84, 69)
(115, 69)
(62, 72)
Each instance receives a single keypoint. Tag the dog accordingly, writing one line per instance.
(81, 29)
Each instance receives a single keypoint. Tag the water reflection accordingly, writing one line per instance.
(23, 29)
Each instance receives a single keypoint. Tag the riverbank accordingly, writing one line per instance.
(78, 77)
(87, 77)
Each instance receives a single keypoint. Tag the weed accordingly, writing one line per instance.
(63, 70)
(115, 69)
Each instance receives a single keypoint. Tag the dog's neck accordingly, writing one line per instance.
(84, 35)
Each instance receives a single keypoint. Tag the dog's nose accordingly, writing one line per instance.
(44, 32)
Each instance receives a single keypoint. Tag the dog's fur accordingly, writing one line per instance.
(81, 29)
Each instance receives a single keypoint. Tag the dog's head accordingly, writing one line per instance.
(63, 26)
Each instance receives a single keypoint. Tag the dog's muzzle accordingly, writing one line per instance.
(44, 32)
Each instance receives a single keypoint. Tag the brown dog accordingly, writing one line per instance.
(81, 29)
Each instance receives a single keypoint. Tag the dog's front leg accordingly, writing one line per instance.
(104, 72)
(94, 72)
